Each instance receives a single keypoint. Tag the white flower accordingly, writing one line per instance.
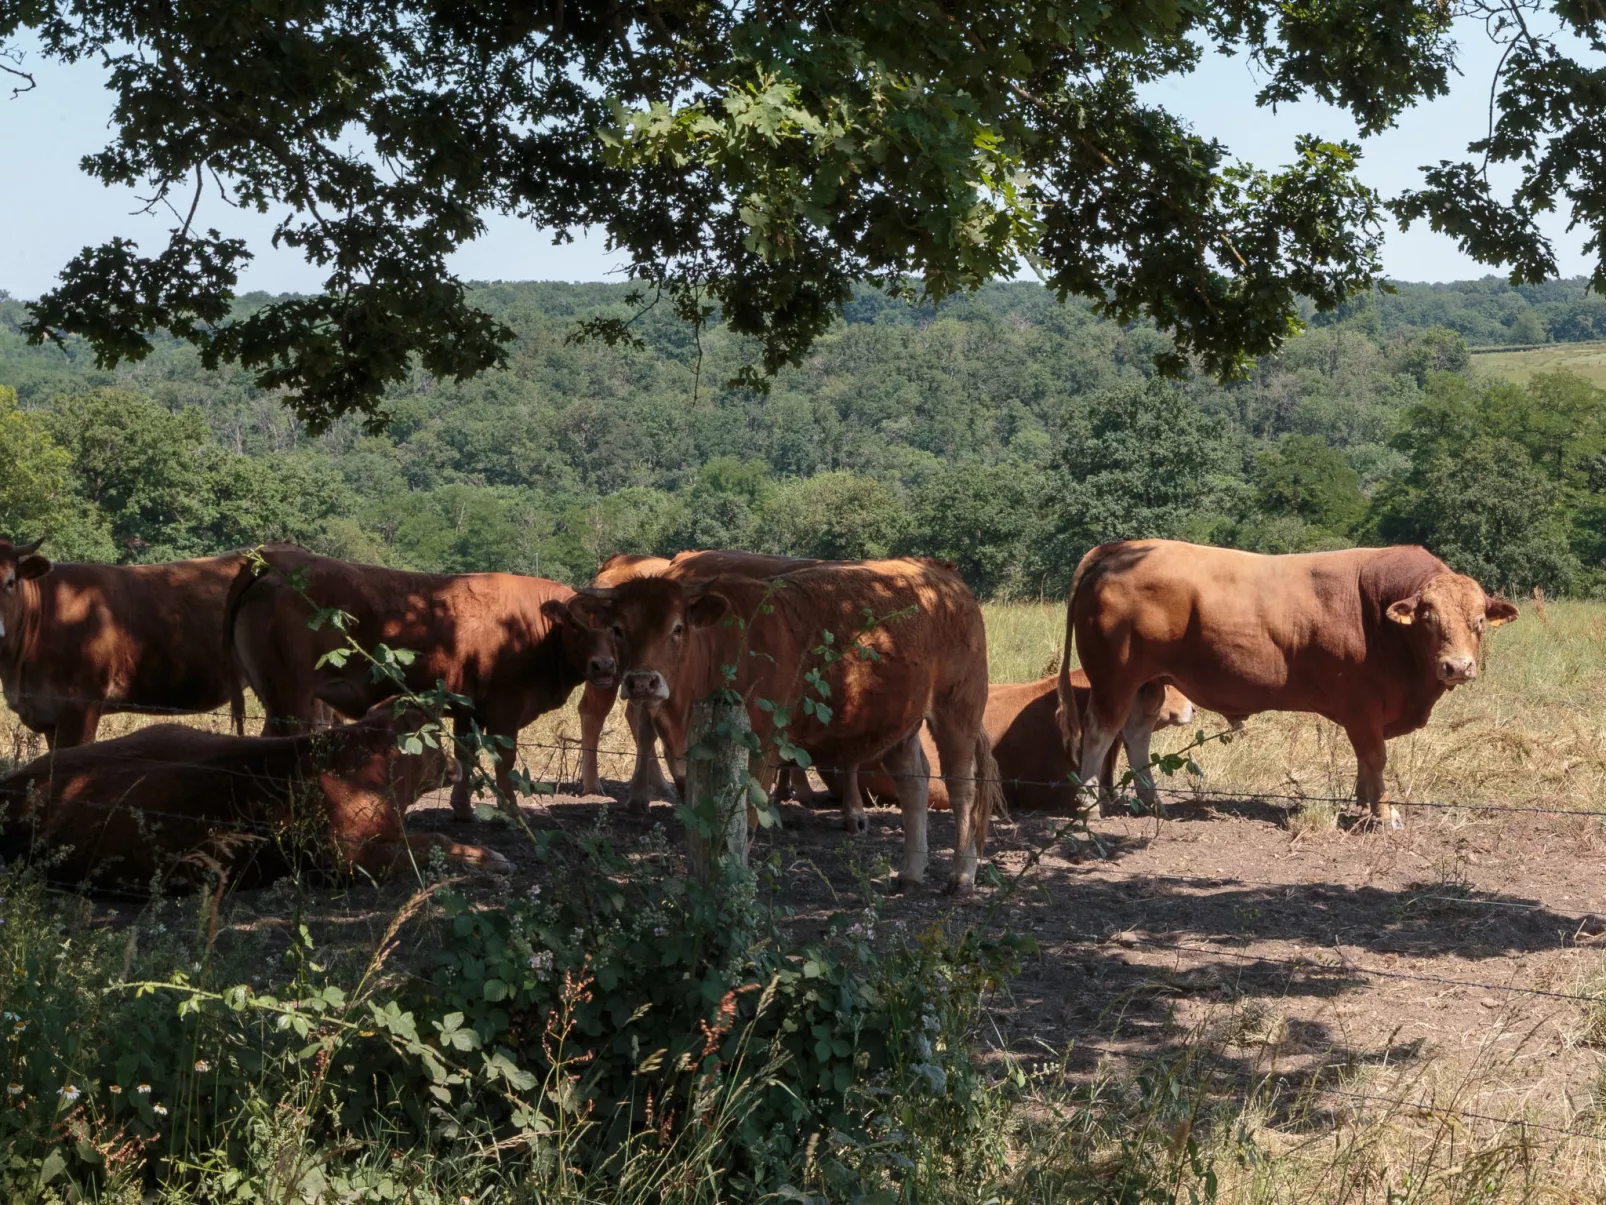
(69, 1093)
(203, 1066)
(143, 1089)
(13, 1089)
(159, 1110)
(115, 1089)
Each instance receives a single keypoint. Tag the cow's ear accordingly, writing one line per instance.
(557, 612)
(707, 609)
(1497, 612)
(1404, 611)
(584, 608)
(34, 566)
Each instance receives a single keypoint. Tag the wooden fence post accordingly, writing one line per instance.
(716, 785)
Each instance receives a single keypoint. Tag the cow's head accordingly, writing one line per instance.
(379, 759)
(650, 619)
(1448, 616)
(18, 563)
(587, 645)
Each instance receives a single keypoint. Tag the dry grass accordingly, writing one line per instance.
(1587, 360)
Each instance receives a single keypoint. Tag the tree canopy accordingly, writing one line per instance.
(759, 159)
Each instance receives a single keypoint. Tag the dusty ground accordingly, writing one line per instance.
(1309, 964)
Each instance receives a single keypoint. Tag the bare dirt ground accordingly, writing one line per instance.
(1326, 966)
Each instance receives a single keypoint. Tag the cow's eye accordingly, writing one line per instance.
(618, 631)
(679, 628)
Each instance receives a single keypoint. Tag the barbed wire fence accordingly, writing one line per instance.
(1331, 964)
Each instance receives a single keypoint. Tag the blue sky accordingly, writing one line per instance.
(49, 209)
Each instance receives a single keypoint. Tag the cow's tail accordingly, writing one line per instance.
(243, 580)
(1070, 720)
(989, 790)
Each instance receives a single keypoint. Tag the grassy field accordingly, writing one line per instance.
(1239, 1095)
(1588, 360)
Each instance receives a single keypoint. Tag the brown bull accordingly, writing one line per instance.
(80, 641)
(907, 646)
(596, 702)
(169, 803)
(506, 644)
(1024, 729)
(1369, 638)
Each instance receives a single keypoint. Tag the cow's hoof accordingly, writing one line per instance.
(1396, 822)
(466, 816)
(638, 807)
(495, 863)
(904, 885)
(856, 823)
(959, 887)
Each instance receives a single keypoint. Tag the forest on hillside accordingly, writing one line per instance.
(1005, 431)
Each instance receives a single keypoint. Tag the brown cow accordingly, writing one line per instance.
(79, 641)
(1027, 746)
(507, 644)
(648, 781)
(168, 803)
(1370, 638)
(929, 665)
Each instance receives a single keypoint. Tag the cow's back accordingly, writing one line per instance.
(904, 638)
(116, 813)
(127, 637)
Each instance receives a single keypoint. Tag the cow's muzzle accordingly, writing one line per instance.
(644, 686)
(603, 672)
(1455, 670)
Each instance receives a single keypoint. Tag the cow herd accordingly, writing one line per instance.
(876, 669)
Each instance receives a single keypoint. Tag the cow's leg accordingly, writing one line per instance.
(595, 706)
(467, 762)
(1136, 734)
(906, 761)
(1101, 727)
(647, 782)
(956, 753)
(853, 818)
(793, 783)
(1371, 756)
(507, 756)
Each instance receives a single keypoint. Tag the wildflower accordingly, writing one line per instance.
(541, 962)
(931, 1023)
(143, 1089)
(159, 1110)
(115, 1089)
(202, 1066)
(13, 1089)
(535, 894)
(68, 1093)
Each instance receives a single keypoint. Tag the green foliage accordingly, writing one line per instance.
(1139, 461)
(1002, 432)
(1489, 511)
(618, 1011)
(760, 165)
(1305, 478)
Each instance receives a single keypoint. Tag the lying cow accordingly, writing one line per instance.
(170, 803)
(80, 641)
(1022, 725)
(675, 639)
(1369, 638)
(648, 781)
(506, 644)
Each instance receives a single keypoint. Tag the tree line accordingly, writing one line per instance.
(1005, 431)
